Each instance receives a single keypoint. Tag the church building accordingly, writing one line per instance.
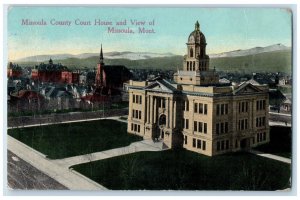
(195, 111)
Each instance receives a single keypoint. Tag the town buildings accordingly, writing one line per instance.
(55, 73)
(196, 111)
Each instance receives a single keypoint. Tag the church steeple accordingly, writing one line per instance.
(101, 56)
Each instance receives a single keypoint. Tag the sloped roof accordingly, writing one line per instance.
(27, 94)
(116, 73)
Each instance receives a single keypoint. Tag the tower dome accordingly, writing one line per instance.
(197, 36)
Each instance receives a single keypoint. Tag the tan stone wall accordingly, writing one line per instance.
(174, 111)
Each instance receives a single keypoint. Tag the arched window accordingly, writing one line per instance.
(191, 52)
(162, 120)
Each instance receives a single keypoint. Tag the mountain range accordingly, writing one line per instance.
(110, 55)
(271, 58)
(252, 51)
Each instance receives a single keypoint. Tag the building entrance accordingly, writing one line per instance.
(245, 144)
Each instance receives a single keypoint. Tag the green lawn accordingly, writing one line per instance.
(185, 170)
(65, 140)
(280, 142)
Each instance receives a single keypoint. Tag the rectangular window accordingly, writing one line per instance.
(186, 123)
(136, 114)
(264, 104)
(139, 128)
(257, 137)
(195, 107)
(194, 142)
(227, 144)
(140, 99)
(226, 127)
(222, 109)
(239, 107)
(218, 146)
(257, 105)
(246, 106)
(204, 145)
(260, 105)
(200, 127)
(187, 105)
(218, 109)
(205, 127)
(140, 114)
(133, 114)
(260, 137)
(163, 103)
(131, 127)
(242, 126)
(185, 139)
(222, 128)
(205, 109)
(195, 126)
(217, 128)
(226, 109)
(135, 127)
(201, 108)
(246, 124)
(199, 144)
(223, 145)
(243, 106)
(133, 98)
(264, 136)
(259, 122)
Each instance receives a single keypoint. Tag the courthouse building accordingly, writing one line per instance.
(197, 112)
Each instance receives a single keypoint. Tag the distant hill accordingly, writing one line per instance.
(252, 51)
(109, 55)
(275, 61)
(275, 58)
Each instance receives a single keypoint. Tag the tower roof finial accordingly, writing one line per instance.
(197, 26)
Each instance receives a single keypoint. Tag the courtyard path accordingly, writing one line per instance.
(145, 145)
(272, 156)
(60, 170)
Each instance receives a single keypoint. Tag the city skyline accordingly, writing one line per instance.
(227, 29)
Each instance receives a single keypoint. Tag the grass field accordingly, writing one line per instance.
(280, 142)
(185, 170)
(65, 140)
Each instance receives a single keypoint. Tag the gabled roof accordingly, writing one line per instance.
(161, 85)
(246, 87)
(58, 92)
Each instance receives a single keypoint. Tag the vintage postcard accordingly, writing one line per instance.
(149, 98)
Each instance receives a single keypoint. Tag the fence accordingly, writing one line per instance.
(22, 121)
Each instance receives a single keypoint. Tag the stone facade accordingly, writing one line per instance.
(197, 112)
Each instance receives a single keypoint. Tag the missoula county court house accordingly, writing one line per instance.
(197, 112)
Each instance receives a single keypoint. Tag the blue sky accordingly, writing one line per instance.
(225, 29)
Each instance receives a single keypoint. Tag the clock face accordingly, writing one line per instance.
(191, 38)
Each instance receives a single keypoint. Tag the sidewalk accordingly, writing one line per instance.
(271, 156)
(60, 169)
(144, 145)
(277, 123)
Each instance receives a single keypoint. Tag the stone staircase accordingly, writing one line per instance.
(156, 144)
